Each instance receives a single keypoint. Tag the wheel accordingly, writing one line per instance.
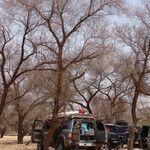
(60, 146)
(40, 146)
(105, 147)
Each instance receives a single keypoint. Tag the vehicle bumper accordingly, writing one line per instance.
(83, 145)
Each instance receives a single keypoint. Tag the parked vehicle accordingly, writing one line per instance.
(148, 140)
(145, 136)
(121, 123)
(113, 136)
(76, 131)
(122, 127)
(122, 133)
(137, 138)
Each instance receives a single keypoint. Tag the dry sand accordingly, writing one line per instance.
(10, 143)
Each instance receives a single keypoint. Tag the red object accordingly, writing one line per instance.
(81, 111)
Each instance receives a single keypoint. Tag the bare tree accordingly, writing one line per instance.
(137, 40)
(17, 51)
(85, 94)
(26, 96)
(114, 94)
(65, 22)
(64, 37)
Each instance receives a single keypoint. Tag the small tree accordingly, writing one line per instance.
(26, 97)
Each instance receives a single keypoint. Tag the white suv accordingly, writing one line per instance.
(75, 131)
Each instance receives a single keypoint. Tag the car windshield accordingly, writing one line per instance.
(111, 128)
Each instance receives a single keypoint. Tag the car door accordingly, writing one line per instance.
(101, 133)
(36, 133)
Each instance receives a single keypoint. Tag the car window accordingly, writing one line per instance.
(100, 125)
(111, 128)
(144, 132)
(77, 123)
(87, 126)
(122, 129)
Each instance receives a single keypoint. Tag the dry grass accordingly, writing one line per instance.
(10, 143)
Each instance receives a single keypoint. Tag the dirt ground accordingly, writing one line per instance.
(10, 143)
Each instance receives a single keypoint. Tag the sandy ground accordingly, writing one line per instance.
(10, 143)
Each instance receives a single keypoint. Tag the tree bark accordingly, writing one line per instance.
(3, 100)
(131, 137)
(56, 100)
(48, 137)
(3, 131)
(89, 108)
(134, 119)
(20, 130)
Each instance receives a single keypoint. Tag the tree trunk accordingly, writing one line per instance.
(89, 108)
(3, 100)
(3, 131)
(131, 137)
(134, 119)
(56, 101)
(49, 136)
(20, 130)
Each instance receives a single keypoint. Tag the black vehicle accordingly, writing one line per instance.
(76, 131)
(148, 140)
(137, 138)
(113, 136)
(122, 134)
(121, 123)
(144, 136)
(122, 127)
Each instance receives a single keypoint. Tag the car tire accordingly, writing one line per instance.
(105, 147)
(40, 146)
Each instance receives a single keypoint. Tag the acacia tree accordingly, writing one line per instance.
(137, 39)
(85, 94)
(25, 97)
(114, 95)
(65, 25)
(17, 50)
(87, 87)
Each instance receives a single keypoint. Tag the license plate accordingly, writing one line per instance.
(85, 144)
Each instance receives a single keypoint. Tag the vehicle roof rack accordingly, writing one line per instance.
(74, 114)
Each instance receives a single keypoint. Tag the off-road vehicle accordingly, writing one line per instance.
(113, 136)
(76, 131)
(148, 140)
(145, 134)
